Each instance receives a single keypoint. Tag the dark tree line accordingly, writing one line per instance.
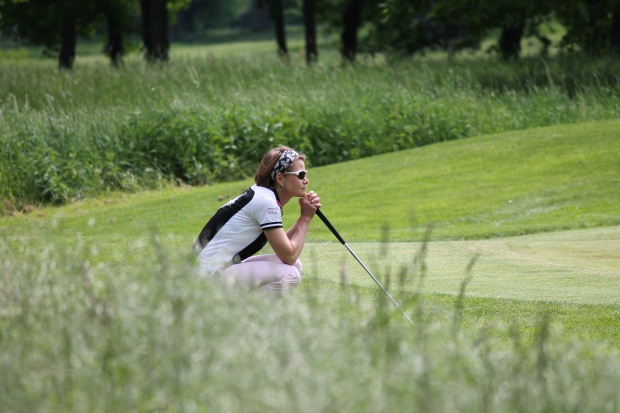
(593, 26)
(396, 26)
(57, 24)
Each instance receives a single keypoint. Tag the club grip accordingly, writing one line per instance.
(330, 226)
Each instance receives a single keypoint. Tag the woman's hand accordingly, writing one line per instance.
(288, 246)
(309, 204)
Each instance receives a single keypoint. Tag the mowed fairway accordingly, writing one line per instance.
(553, 192)
(573, 267)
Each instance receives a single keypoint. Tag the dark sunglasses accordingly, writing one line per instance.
(299, 174)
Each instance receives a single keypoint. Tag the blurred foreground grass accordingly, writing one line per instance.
(78, 334)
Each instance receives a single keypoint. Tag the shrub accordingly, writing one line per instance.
(69, 135)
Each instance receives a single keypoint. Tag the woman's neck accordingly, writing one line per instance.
(282, 199)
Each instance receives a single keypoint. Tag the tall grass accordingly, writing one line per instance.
(207, 119)
(78, 333)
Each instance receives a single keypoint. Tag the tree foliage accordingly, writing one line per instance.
(201, 15)
(49, 23)
(593, 25)
(40, 20)
(412, 26)
(399, 26)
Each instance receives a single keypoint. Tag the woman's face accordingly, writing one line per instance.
(292, 184)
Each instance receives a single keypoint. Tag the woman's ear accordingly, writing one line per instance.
(279, 180)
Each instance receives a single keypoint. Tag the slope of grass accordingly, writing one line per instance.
(546, 179)
(543, 180)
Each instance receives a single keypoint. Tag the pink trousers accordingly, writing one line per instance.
(264, 272)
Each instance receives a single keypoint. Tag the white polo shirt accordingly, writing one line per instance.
(235, 232)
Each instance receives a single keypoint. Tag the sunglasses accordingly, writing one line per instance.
(299, 174)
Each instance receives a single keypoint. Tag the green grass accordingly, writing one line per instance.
(509, 198)
(149, 335)
(116, 320)
(546, 179)
(208, 116)
(101, 309)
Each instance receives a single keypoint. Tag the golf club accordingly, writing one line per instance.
(343, 242)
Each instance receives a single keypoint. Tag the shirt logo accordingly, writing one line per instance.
(273, 211)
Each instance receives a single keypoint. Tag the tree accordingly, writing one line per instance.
(114, 47)
(55, 25)
(277, 14)
(68, 41)
(592, 25)
(276, 11)
(414, 26)
(512, 17)
(118, 16)
(510, 40)
(345, 18)
(615, 30)
(155, 26)
(155, 30)
(350, 24)
(477, 19)
(309, 10)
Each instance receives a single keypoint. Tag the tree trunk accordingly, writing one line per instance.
(114, 46)
(68, 43)
(615, 31)
(350, 23)
(145, 10)
(309, 8)
(510, 41)
(155, 29)
(597, 37)
(277, 14)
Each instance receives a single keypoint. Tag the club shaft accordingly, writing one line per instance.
(378, 283)
(329, 225)
(343, 242)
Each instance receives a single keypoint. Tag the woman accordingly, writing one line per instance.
(239, 229)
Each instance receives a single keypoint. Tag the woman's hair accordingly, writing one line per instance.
(263, 172)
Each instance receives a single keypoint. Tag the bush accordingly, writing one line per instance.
(65, 136)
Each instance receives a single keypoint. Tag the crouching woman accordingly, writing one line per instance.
(227, 245)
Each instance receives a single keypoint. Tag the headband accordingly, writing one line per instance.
(286, 159)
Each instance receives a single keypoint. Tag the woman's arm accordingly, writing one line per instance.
(288, 245)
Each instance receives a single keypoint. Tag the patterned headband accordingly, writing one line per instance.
(286, 159)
